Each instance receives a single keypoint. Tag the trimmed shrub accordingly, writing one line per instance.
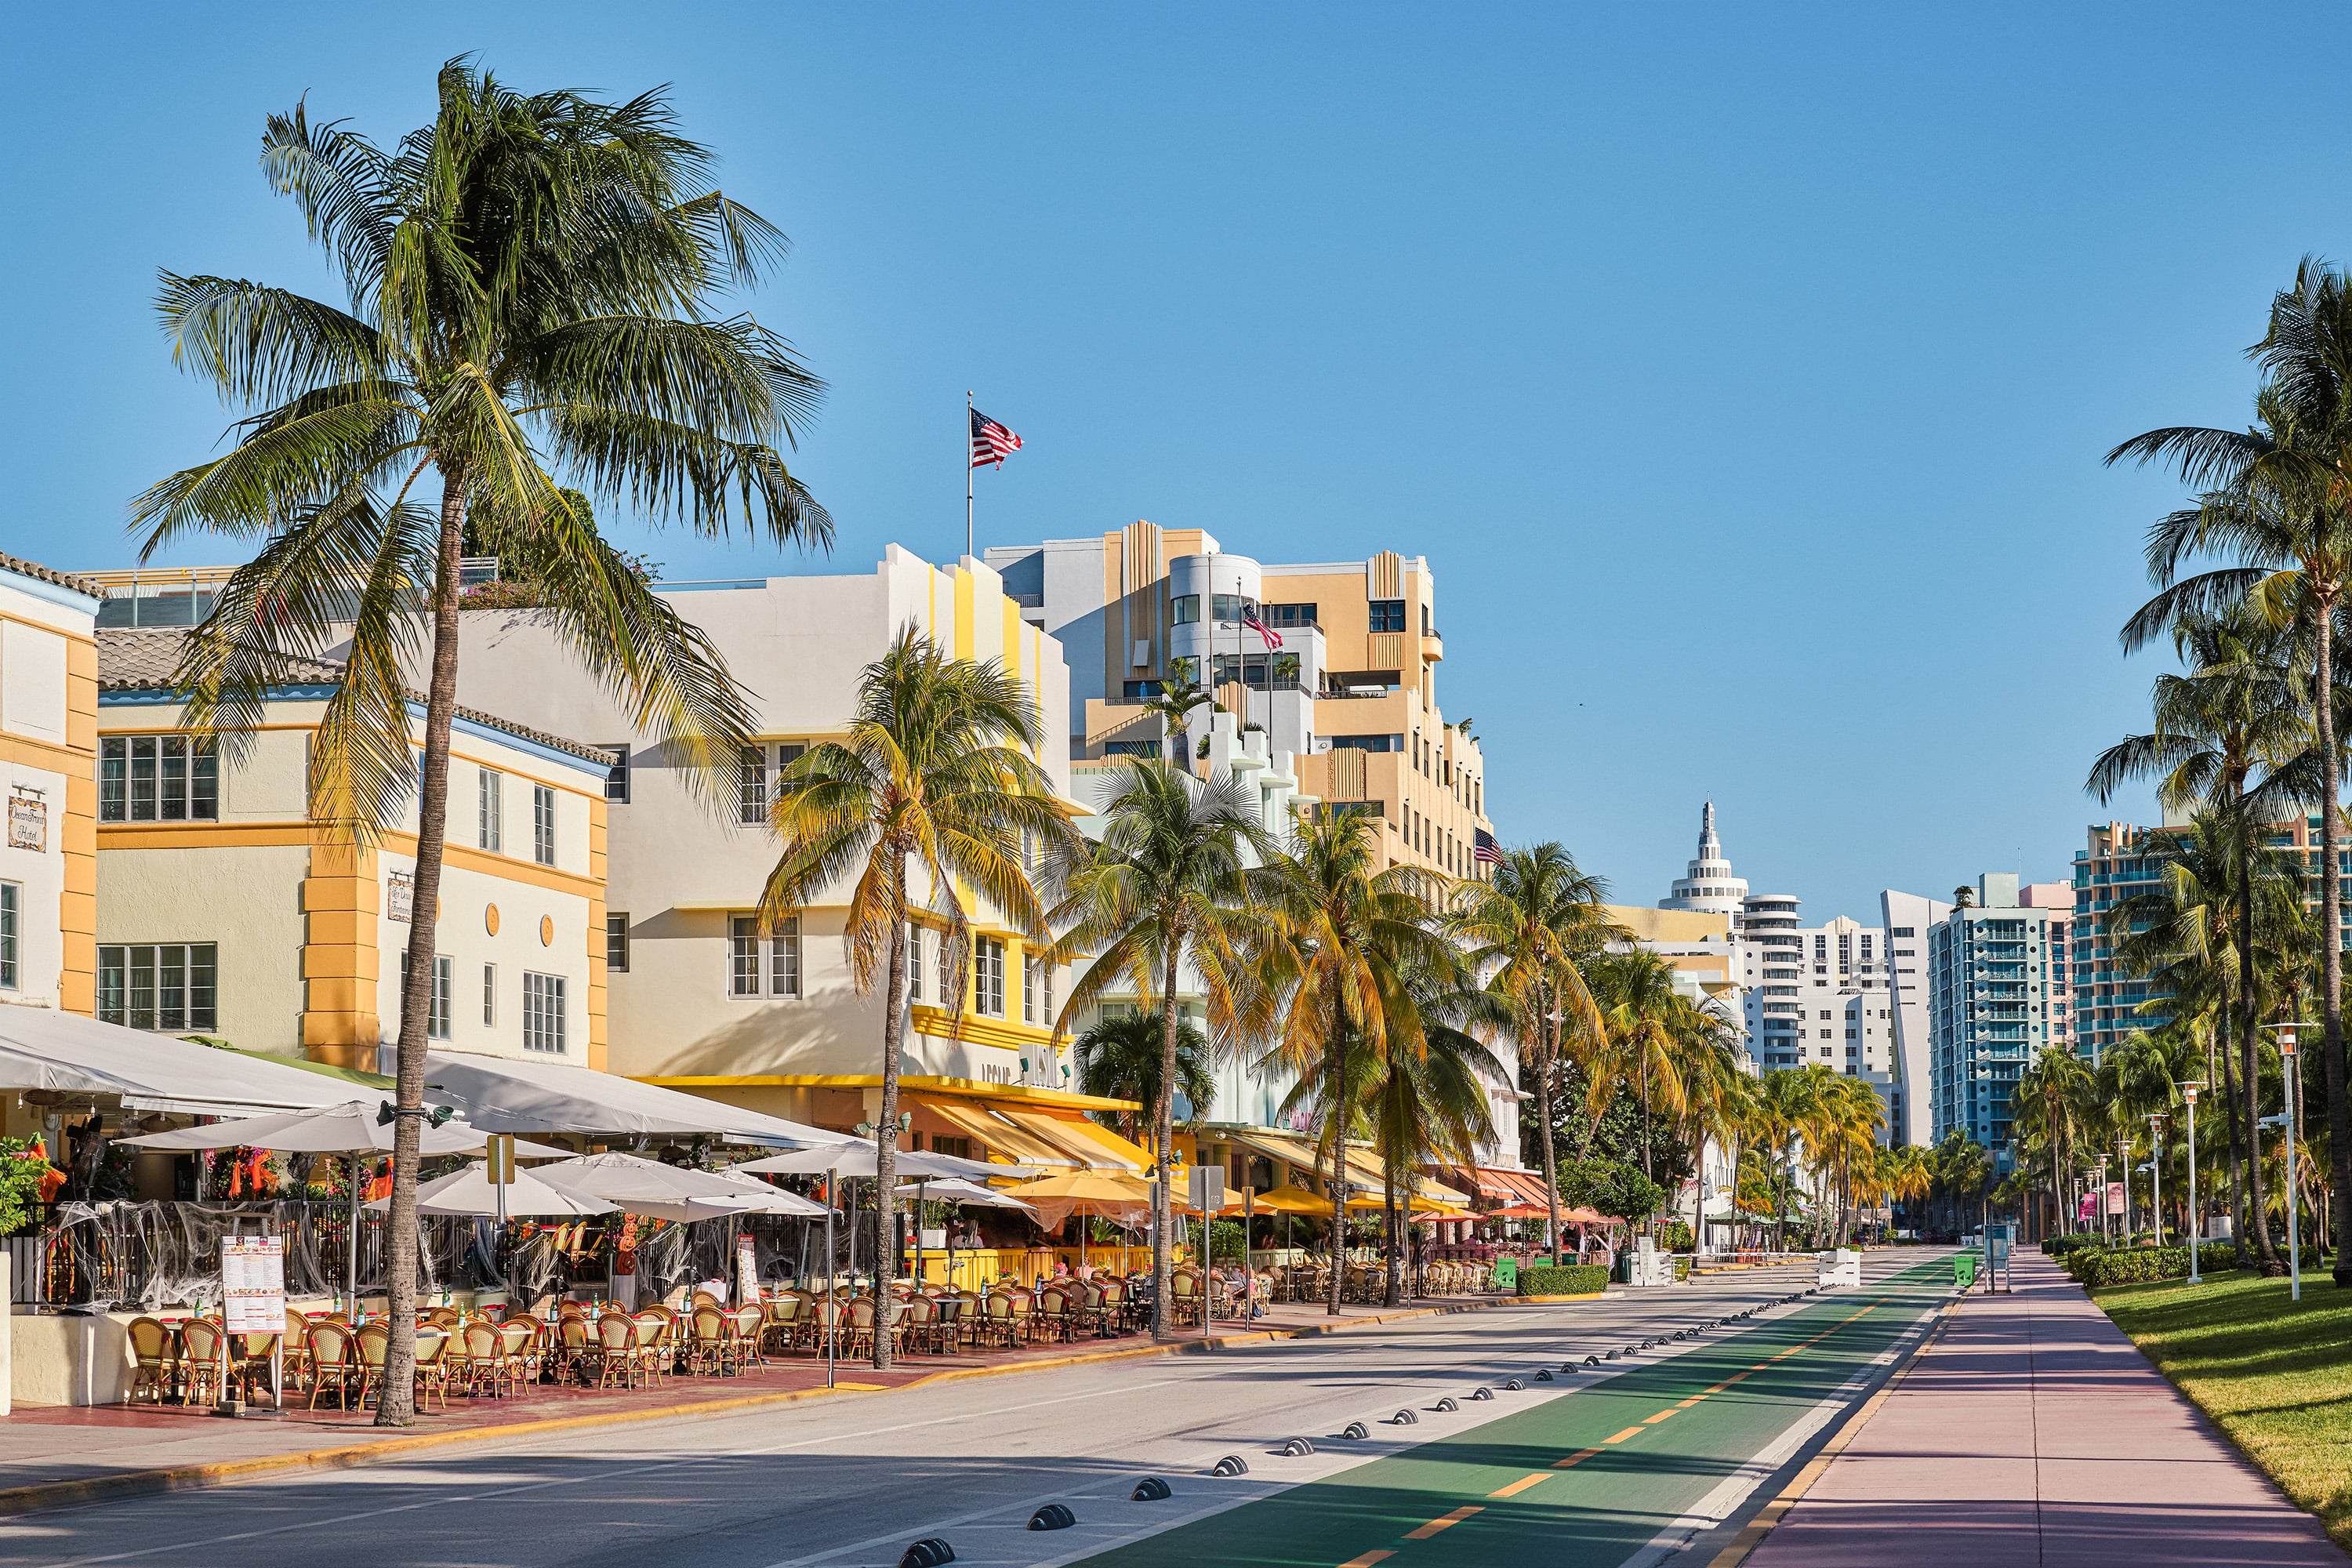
(1569, 1279)
(2140, 1264)
(2059, 1246)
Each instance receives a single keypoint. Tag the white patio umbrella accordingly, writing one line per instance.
(657, 1191)
(965, 1195)
(470, 1192)
(353, 1130)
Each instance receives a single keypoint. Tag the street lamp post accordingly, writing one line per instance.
(2122, 1168)
(2285, 1120)
(2196, 1220)
(2102, 1197)
(2156, 1174)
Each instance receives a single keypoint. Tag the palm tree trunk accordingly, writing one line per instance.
(2331, 941)
(396, 1406)
(1339, 1115)
(1395, 1295)
(885, 1126)
(1163, 1306)
(1547, 1051)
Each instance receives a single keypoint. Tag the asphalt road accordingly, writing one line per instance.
(852, 1483)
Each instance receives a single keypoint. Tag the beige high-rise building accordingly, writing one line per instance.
(1343, 679)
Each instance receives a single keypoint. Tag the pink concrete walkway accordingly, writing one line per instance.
(2033, 1431)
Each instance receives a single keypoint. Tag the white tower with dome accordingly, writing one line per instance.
(1709, 885)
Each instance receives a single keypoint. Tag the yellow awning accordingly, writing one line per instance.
(1290, 1198)
(1363, 1167)
(1071, 1138)
(1121, 1148)
(1002, 1137)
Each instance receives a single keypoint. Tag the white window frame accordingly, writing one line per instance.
(751, 787)
(617, 777)
(437, 1011)
(489, 811)
(988, 977)
(124, 959)
(544, 1008)
(12, 899)
(489, 995)
(543, 823)
(617, 925)
(194, 796)
(784, 959)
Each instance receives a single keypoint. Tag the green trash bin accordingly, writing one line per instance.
(1963, 1269)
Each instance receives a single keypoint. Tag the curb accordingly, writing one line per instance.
(1541, 1301)
(1771, 1513)
(45, 1495)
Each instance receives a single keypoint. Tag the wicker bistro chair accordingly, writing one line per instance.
(780, 1317)
(860, 1329)
(156, 1359)
(1184, 1295)
(1053, 1318)
(822, 1314)
(371, 1341)
(570, 1351)
(200, 1360)
(518, 1344)
(433, 1366)
(298, 1349)
(997, 1325)
(919, 1326)
(253, 1364)
(714, 1348)
(484, 1344)
(750, 1327)
(332, 1361)
(615, 1352)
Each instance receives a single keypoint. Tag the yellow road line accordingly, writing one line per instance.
(1653, 1420)
(1694, 1399)
(1367, 1559)
(1576, 1459)
(1522, 1484)
(1629, 1432)
(1447, 1522)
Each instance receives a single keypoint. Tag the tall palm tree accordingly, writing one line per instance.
(1646, 1022)
(1119, 1058)
(2235, 712)
(2191, 929)
(1343, 934)
(2049, 1105)
(2278, 495)
(936, 777)
(1526, 929)
(528, 284)
(1174, 703)
(1168, 890)
(1430, 1106)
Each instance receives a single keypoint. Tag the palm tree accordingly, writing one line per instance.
(2049, 1105)
(937, 775)
(528, 283)
(1174, 703)
(1342, 937)
(1168, 890)
(1526, 928)
(1645, 1021)
(2278, 495)
(2235, 710)
(1119, 1058)
(2192, 931)
(1430, 1106)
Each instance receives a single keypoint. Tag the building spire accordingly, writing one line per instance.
(1710, 848)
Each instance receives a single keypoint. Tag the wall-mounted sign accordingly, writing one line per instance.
(29, 821)
(399, 896)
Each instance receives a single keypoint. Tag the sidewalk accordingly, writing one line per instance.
(2032, 1432)
(48, 1454)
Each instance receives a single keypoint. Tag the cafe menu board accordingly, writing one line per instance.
(747, 1272)
(253, 1284)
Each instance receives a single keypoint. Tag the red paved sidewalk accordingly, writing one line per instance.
(2033, 1431)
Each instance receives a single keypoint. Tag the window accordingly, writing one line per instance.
(785, 959)
(163, 985)
(988, 978)
(158, 778)
(1288, 615)
(751, 787)
(543, 823)
(543, 1013)
(489, 995)
(959, 1147)
(1387, 615)
(490, 812)
(436, 1015)
(616, 944)
(1226, 608)
(617, 777)
(1367, 743)
(1036, 992)
(10, 895)
(1184, 609)
(763, 966)
(914, 962)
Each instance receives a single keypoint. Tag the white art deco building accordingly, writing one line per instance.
(1709, 885)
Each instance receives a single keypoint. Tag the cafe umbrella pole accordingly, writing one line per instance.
(832, 1306)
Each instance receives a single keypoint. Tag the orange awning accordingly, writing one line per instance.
(1002, 1137)
(1072, 1138)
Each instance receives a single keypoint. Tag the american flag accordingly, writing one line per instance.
(990, 442)
(1250, 619)
(1486, 850)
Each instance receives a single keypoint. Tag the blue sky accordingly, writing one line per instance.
(1743, 372)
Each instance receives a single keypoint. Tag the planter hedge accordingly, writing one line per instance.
(2062, 1246)
(1569, 1279)
(2140, 1264)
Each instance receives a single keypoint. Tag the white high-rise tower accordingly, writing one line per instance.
(1709, 885)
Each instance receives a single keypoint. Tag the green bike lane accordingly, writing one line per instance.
(1587, 1478)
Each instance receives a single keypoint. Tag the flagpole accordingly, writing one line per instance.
(968, 467)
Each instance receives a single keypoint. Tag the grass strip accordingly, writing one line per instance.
(2276, 1375)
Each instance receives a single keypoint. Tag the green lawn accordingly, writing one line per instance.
(2276, 1375)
